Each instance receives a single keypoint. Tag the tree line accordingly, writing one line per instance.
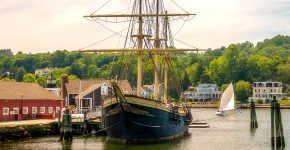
(242, 64)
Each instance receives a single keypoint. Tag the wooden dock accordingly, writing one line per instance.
(199, 125)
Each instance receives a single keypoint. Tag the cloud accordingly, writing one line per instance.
(41, 25)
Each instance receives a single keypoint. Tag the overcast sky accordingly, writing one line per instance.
(42, 25)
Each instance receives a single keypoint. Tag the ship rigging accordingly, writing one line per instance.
(134, 118)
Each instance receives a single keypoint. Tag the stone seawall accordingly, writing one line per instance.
(20, 130)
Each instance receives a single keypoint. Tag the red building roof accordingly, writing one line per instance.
(25, 91)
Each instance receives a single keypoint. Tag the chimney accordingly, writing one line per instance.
(63, 80)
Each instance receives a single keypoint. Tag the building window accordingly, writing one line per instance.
(5, 111)
(15, 110)
(42, 110)
(25, 110)
(50, 110)
(34, 110)
(57, 109)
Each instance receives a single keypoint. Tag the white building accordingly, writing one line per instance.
(203, 93)
(43, 71)
(265, 91)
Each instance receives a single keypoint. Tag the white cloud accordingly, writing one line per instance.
(41, 25)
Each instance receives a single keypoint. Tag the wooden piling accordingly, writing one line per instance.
(254, 122)
(277, 135)
(85, 124)
(66, 127)
(58, 122)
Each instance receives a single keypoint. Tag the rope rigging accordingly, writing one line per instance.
(217, 117)
(103, 39)
(149, 7)
(102, 6)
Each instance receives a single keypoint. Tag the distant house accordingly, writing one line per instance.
(147, 91)
(22, 101)
(265, 91)
(86, 95)
(202, 93)
(43, 71)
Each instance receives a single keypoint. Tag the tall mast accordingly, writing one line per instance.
(140, 45)
(156, 53)
(139, 50)
(165, 95)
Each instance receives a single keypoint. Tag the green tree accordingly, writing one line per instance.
(29, 78)
(185, 82)
(93, 71)
(224, 87)
(6, 53)
(58, 58)
(259, 68)
(8, 79)
(57, 72)
(78, 68)
(70, 77)
(41, 80)
(284, 73)
(73, 77)
(20, 72)
(243, 91)
(216, 71)
(232, 63)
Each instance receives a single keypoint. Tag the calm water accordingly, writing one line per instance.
(231, 132)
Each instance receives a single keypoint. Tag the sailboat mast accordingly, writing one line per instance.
(165, 95)
(140, 45)
(156, 53)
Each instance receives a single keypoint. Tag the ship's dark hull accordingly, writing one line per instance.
(139, 122)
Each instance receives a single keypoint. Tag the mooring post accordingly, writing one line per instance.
(85, 124)
(59, 123)
(254, 122)
(66, 128)
(277, 135)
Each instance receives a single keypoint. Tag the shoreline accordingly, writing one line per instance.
(14, 130)
(244, 107)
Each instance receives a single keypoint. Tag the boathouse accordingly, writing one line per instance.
(25, 101)
(87, 95)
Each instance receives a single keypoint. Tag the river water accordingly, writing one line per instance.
(231, 132)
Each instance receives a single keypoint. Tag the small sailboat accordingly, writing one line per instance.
(227, 101)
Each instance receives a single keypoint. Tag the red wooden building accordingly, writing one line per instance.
(24, 101)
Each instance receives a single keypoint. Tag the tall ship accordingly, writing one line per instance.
(135, 118)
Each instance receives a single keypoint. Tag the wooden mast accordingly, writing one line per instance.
(165, 92)
(140, 45)
(139, 50)
(156, 54)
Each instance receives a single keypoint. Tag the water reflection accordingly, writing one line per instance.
(277, 148)
(225, 133)
(165, 145)
(253, 131)
(66, 145)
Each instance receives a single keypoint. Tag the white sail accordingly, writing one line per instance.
(228, 99)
